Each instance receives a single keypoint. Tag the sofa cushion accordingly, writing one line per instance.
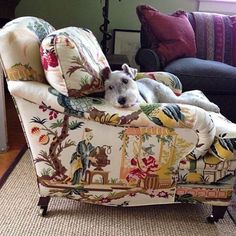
(172, 36)
(211, 77)
(23, 35)
(72, 60)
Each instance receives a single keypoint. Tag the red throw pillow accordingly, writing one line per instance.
(172, 36)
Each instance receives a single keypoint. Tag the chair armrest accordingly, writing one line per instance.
(170, 116)
(224, 145)
(148, 60)
(170, 80)
(184, 116)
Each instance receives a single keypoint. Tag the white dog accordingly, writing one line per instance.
(122, 91)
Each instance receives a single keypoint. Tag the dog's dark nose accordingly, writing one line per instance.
(122, 100)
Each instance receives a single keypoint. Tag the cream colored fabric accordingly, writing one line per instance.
(148, 115)
(140, 161)
(73, 60)
(19, 43)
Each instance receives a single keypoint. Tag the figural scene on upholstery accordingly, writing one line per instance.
(85, 149)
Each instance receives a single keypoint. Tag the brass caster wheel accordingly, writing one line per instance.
(42, 211)
(211, 219)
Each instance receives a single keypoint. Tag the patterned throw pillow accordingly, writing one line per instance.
(215, 36)
(19, 48)
(72, 60)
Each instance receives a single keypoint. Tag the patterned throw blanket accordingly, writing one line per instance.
(215, 36)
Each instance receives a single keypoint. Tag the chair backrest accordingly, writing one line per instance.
(19, 48)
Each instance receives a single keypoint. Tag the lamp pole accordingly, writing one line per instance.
(104, 27)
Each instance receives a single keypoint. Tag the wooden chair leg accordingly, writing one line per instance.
(43, 205)
(218, 212)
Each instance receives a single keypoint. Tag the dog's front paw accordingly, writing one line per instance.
(160, 88)
(215, 108)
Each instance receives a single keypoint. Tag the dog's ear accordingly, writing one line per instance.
(105, 72)
(130, 71)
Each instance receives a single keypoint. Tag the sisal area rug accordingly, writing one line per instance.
(18, 214)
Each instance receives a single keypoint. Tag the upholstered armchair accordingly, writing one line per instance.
(197, 47)
(84, 149)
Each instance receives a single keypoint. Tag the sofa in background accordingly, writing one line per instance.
(84, 149)
(169, 46)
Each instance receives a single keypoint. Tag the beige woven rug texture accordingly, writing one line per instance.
(19, 214)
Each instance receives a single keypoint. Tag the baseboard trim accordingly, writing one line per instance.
(12, 166)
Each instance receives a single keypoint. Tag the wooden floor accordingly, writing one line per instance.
(16, 141)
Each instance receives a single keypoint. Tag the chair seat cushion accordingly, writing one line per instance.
(72, 61)
(211, 77)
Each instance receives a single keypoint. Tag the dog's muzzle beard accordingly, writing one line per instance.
(125, 102)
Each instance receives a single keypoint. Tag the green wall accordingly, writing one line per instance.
(88, 13)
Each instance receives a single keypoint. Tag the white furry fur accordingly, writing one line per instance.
(122, 91)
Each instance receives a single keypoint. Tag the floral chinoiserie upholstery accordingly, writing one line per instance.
(63, 52)
(24, 35)
(85, 149)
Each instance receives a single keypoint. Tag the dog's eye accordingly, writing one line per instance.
(110, 87)
(125, 81)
